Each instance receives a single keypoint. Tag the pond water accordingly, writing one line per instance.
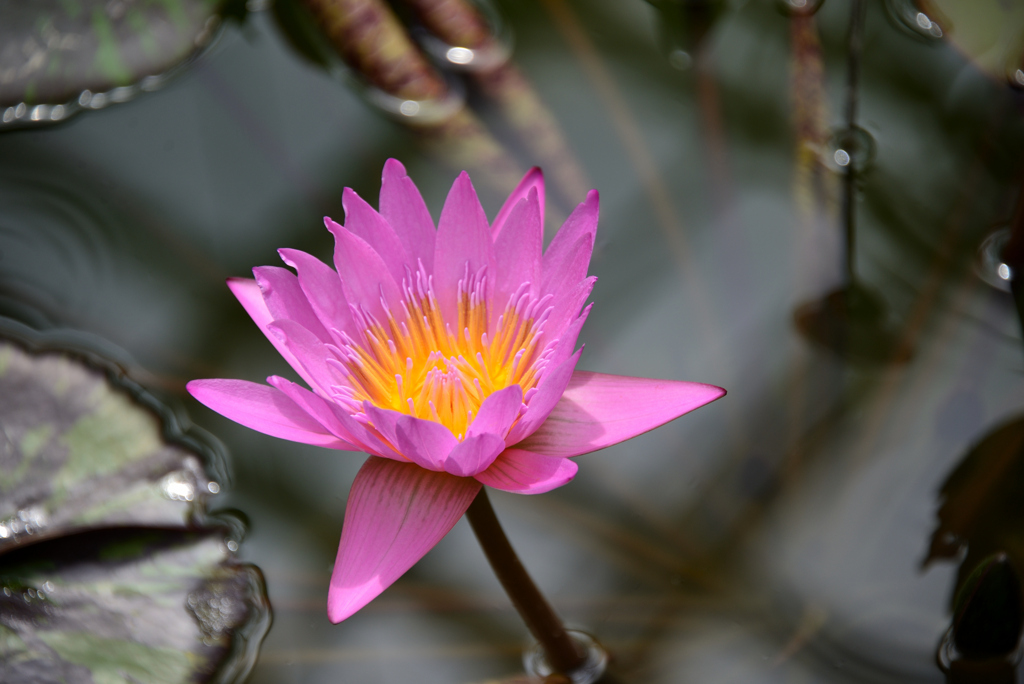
(777, 535)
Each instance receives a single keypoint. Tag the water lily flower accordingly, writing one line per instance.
(448, 355)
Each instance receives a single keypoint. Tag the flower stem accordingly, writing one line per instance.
(543, 623)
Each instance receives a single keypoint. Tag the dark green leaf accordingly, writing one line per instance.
(53, 50)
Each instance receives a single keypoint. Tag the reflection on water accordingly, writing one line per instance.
(773, 537)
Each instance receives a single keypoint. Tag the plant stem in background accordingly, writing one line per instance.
(460, 23)
(540, 618)
(371, 39)
(855, 44)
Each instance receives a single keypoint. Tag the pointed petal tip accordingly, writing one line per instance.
(598, 410)
(344, 603)
(719, 392)
(395, 167)
(192, 386)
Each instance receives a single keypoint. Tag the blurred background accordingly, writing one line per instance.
(812, 526)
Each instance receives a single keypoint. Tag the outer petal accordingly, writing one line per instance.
(403, 207)
(365, 437)
(424, 442)
(581, 222)
(362, 220)
(497, 412)
(396, 512)
(474, 454)
(533, 180)
(517, 251)
(599, 410)
(286, 300)
(462, 236)
(525, 472)
(310, 353)
(323, 290)
(549, 392)
(364, 274)
(315, 406)
(264, 409)
(248, 294)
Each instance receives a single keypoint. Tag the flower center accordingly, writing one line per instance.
(417, 364)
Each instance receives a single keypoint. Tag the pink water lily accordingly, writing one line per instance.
(448, 355)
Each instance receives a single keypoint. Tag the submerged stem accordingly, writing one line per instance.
(540, 618)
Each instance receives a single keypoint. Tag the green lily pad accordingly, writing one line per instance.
(58, 56)
(111, 570)
(77, 453)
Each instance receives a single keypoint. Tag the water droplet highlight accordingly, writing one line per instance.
(850, 147)
(680, 59)
(798, 7)
(178, 486)
(459, 55)
(988, 263)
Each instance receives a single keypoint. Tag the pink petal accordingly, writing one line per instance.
(367, 438)
(403, 207)
(364, 274)
(248, 294)
(424, 442)
(549, 393)
(323, 290)
(517, 250)
(463, 236)
(315, 406)
(565, 308)
(286, 300)
(564, 277)
(474, 454)
(310, 353)
(564, 248)
(396, 512)
(497, 412)
(525, 472)
(599, 410)
(263, 409)
(533, 180)
(566, 346)
(362, 220)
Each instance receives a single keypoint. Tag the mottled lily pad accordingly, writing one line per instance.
(111, 570)
(77, 453)
(58, 56)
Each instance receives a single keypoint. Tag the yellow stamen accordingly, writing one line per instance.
(421, 367)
